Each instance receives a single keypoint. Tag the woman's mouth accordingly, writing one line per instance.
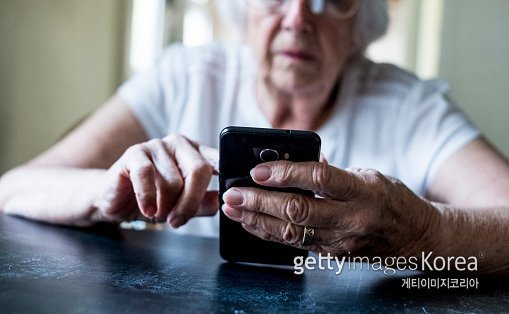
(296, 55)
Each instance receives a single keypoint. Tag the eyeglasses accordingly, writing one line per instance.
(339, 9)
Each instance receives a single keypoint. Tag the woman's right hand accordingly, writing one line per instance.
(162, 179)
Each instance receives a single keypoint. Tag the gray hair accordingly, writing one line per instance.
(371, 22)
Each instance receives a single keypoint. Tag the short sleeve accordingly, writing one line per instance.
(149, 94)
(430, 129)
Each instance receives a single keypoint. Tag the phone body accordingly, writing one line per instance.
(240, 150)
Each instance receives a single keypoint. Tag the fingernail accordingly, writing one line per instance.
(151, 211)
(178, 221)
(261, 173)
(232, 212)
(233, 197)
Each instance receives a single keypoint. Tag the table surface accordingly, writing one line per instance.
(45, 268)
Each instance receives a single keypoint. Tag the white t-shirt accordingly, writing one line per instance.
(384, 117)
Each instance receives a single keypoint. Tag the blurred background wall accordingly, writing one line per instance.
(475, 61)
(61, 59)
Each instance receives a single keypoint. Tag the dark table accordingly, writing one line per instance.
(53, 269)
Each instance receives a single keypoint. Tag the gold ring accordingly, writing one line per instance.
(307, 238)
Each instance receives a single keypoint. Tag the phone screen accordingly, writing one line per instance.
(240, 150)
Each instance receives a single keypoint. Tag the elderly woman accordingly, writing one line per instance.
(438, 185)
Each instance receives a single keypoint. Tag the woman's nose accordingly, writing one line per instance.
(297, 16)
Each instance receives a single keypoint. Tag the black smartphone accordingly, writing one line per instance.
(240, 150)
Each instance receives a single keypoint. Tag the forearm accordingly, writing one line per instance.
(52, 194)
(481, 233)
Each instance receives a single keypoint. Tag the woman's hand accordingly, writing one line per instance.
(164, 179)
(359, 211)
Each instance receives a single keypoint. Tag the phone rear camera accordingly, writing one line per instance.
(269, 155)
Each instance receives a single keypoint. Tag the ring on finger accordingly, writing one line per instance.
(307, 238)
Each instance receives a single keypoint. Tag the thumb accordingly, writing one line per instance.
(209, 204)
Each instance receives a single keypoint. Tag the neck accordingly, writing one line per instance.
(296, 111)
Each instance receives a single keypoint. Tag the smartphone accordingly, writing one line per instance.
(240, 150)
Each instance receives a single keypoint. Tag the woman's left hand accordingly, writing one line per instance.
(361, 212)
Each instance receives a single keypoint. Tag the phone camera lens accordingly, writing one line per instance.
(269, 155)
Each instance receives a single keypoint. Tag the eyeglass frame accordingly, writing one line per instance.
(317, 7)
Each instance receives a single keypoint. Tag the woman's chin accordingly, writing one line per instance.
(296, 84)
